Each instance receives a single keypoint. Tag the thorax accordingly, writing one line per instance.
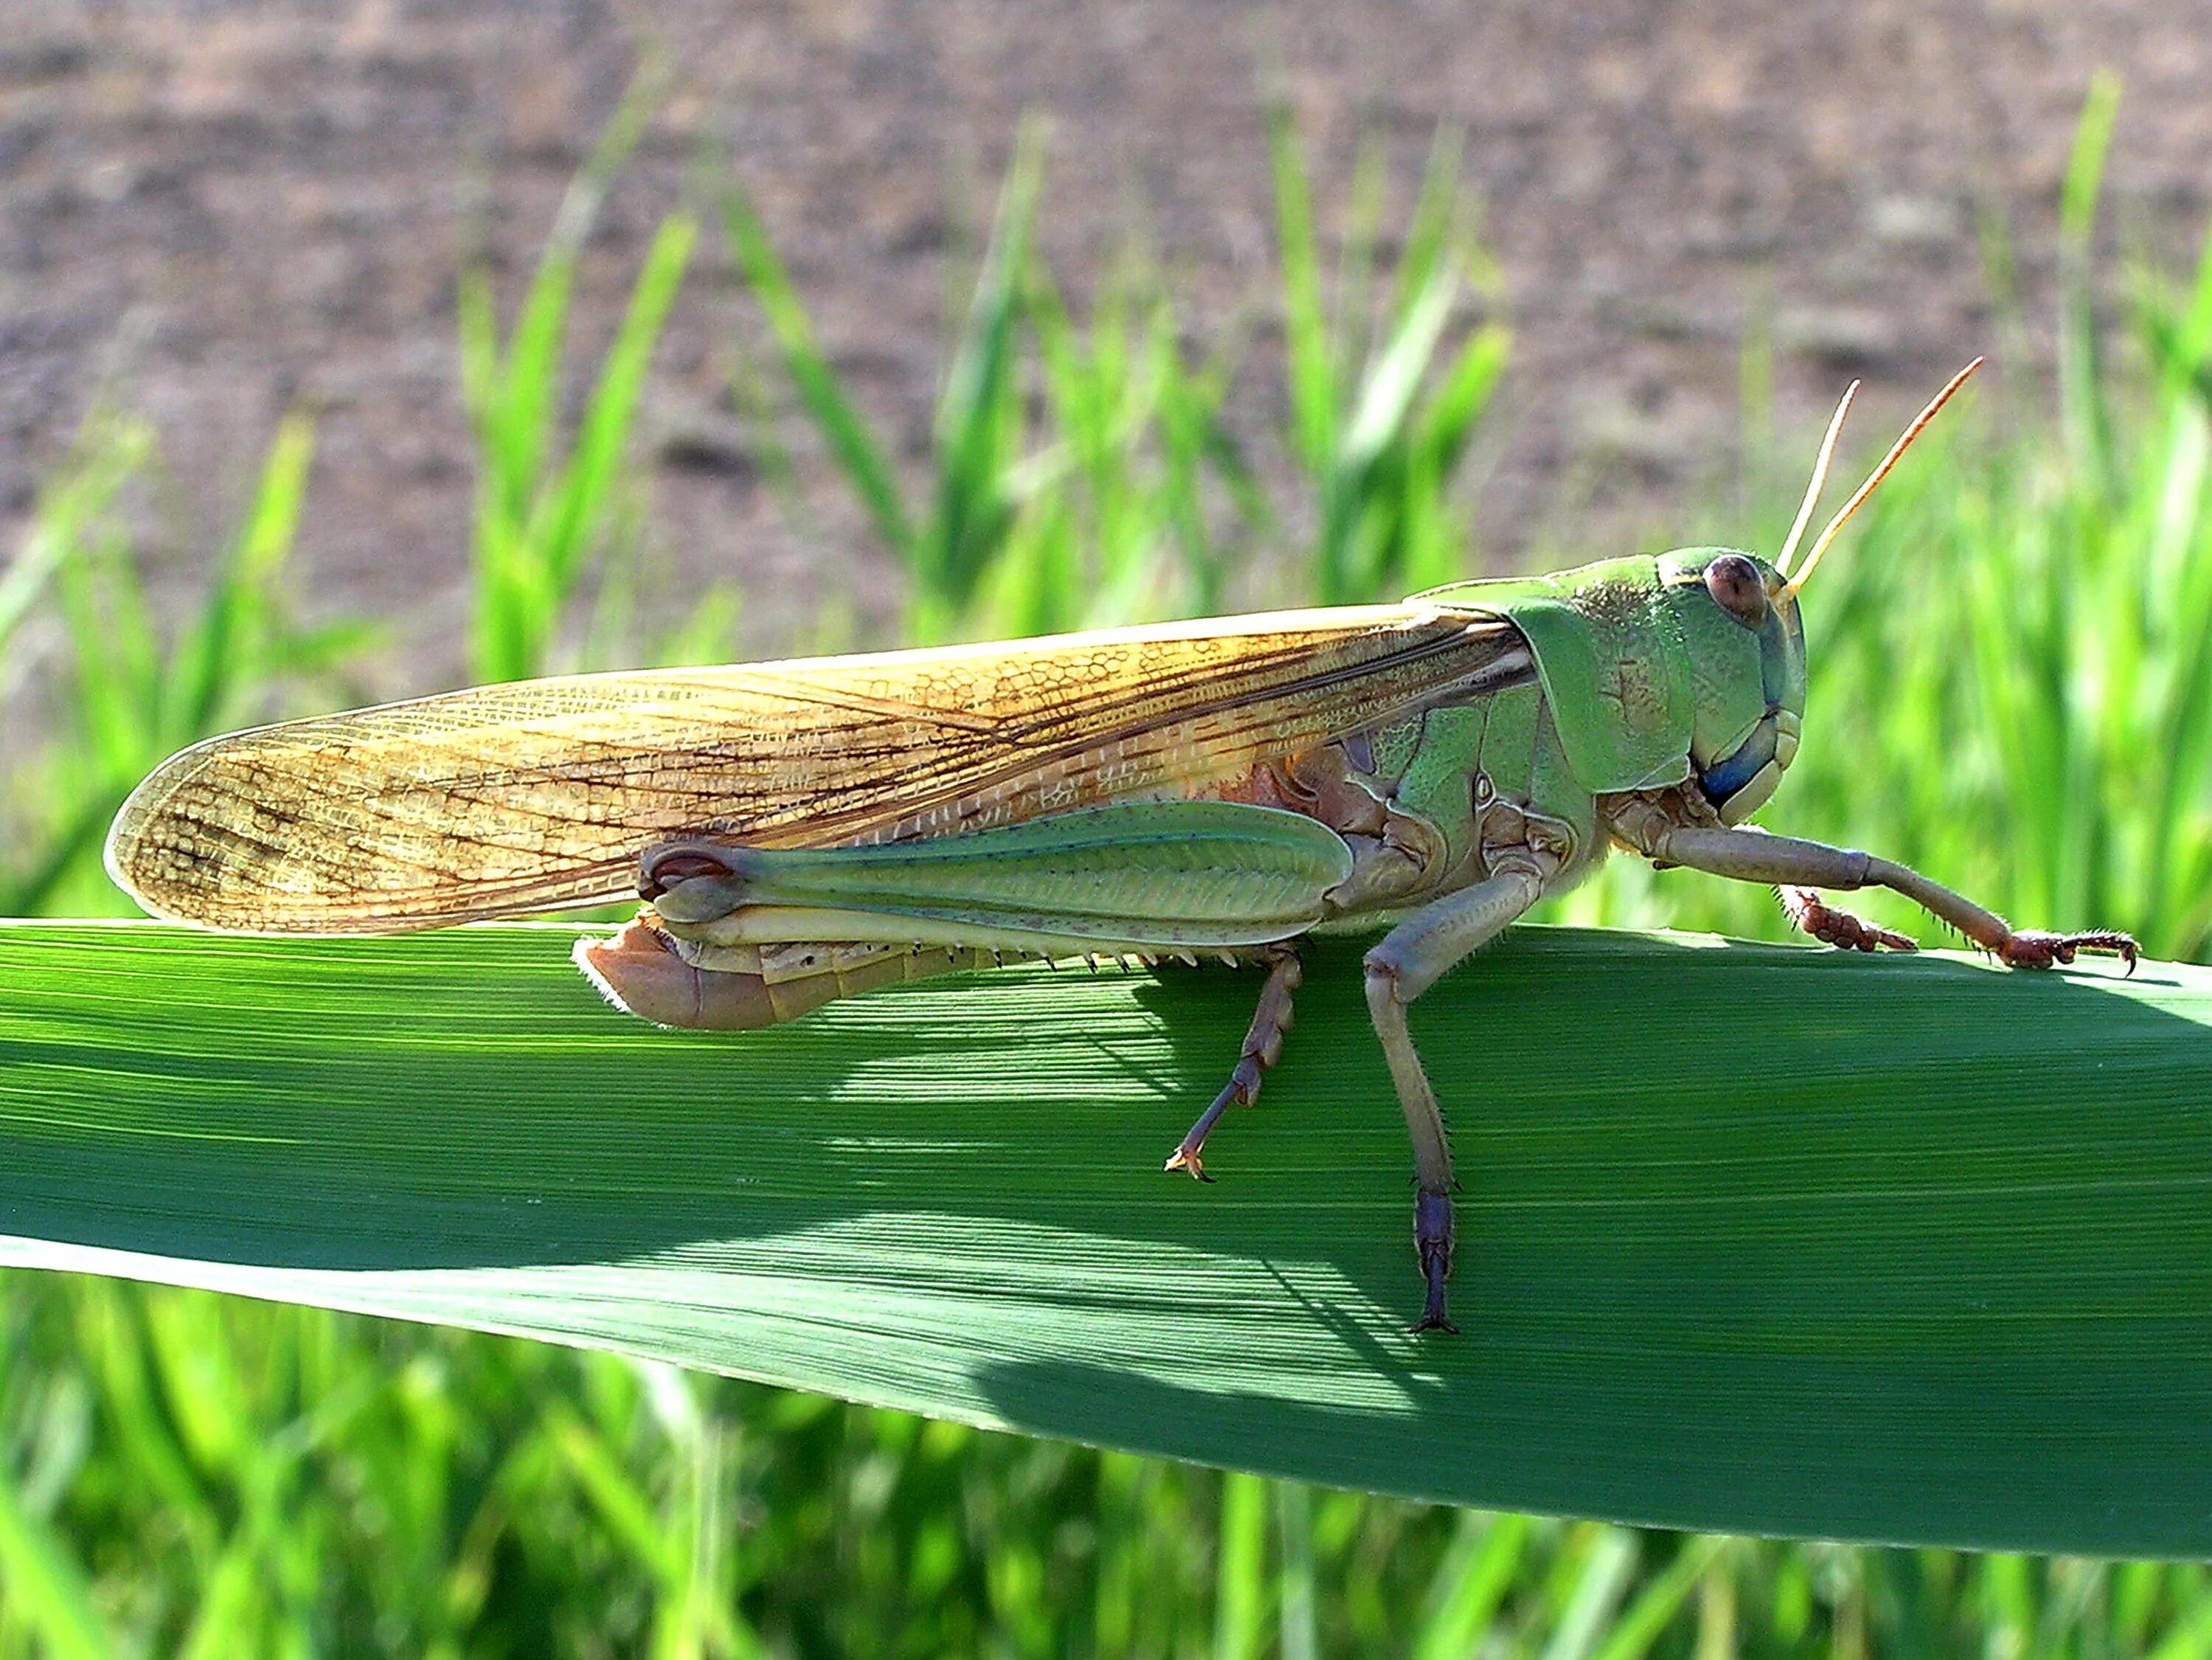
(1434, 801)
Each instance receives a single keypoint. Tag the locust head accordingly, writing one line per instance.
(1746, 655)
(1738, 615)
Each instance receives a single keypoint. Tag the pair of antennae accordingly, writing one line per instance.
(1821, 476)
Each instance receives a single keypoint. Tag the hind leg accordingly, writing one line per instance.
(1263, 1045)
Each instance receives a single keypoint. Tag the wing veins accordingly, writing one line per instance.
(332, 827)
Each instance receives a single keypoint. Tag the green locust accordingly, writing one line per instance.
(807, 831)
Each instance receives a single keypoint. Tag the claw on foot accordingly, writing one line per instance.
(1263, 1046)
(2032, 948)
(1237, 1092)
(1432, 1245)
(1187, 1158)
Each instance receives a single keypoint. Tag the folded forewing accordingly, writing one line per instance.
(502, 799)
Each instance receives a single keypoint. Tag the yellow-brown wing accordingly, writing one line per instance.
(503, 799)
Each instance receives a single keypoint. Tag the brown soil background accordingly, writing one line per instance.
(213, 210)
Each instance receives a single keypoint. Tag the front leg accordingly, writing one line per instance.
(1410, 959)
(1752, 856)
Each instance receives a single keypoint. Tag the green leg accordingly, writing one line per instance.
(1410, 959)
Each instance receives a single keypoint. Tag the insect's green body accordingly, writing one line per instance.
(815, 829)
(1619, 678)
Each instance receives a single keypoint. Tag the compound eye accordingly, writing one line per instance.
(1736, 587)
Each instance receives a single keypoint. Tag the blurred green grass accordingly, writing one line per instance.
(2010, 688)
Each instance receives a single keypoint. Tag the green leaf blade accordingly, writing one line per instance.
(1751, 1239)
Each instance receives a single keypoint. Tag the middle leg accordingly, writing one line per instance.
(1412, 958)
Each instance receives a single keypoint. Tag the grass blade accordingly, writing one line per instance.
(1241, 1577)
(1305, 323)
(537, 515)
(580, 500)
(1297, 1626)
(133, 697)
(42, 1586)
(979, 417)
(109, 452)
(233, 623)
(1477, 1572)
(2080, 388)
(1608, 1569)
(1938, 1279)
(1387, 394)
(867, 466)
(1632, 1636)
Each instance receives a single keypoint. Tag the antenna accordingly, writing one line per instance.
(1819, 478)
(1821, 546)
